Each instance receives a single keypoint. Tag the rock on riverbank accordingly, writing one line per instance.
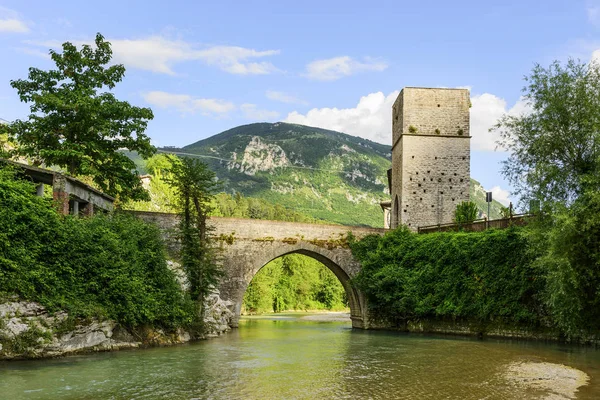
(28, 330)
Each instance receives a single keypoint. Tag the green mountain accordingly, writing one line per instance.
(324, 174)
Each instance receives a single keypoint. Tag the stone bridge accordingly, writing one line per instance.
(249, 244)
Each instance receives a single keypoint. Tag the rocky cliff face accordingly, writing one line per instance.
(28, 330)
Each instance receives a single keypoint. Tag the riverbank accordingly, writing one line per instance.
(28, 330)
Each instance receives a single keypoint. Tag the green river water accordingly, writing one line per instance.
(291, 357)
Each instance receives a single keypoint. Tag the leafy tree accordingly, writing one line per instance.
(466, 212)
(76, 123)
(194, 185)
(555, 161)
(505, 212)
(555, 147)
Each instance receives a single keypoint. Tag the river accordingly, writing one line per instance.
(292, 356)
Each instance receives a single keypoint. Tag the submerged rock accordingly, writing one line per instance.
(554, 381)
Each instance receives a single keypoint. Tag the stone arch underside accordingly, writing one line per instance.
(242, 262)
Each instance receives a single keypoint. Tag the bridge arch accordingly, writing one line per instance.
(329, 258)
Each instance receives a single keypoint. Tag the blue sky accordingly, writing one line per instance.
(204, 67)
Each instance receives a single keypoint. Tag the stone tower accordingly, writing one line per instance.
(430, 155)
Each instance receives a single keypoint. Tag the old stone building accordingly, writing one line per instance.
(430, 156)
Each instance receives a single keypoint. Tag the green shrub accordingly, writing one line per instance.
(104, 266)
(487, 276)
(465, 212)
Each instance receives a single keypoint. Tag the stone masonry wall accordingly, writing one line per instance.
(428, 109)
(430, 167)
(435, 178)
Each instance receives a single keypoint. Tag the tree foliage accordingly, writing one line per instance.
(465, 212)
(484, 277)
(555, 155)
(110, 267)
(555, 161)
(194, 185)
(77, 123)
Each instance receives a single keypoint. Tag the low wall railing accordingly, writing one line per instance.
(479, 225)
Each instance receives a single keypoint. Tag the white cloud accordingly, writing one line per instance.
(159, 54)
(486, 110)
(188, 104)
(501, 195)
(337, 67)
(11, 22)
(13, 25)
(231, 59)
(370, 119)
(284, 97)
(251, 111)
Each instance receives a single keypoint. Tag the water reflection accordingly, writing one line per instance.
(286, 357)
